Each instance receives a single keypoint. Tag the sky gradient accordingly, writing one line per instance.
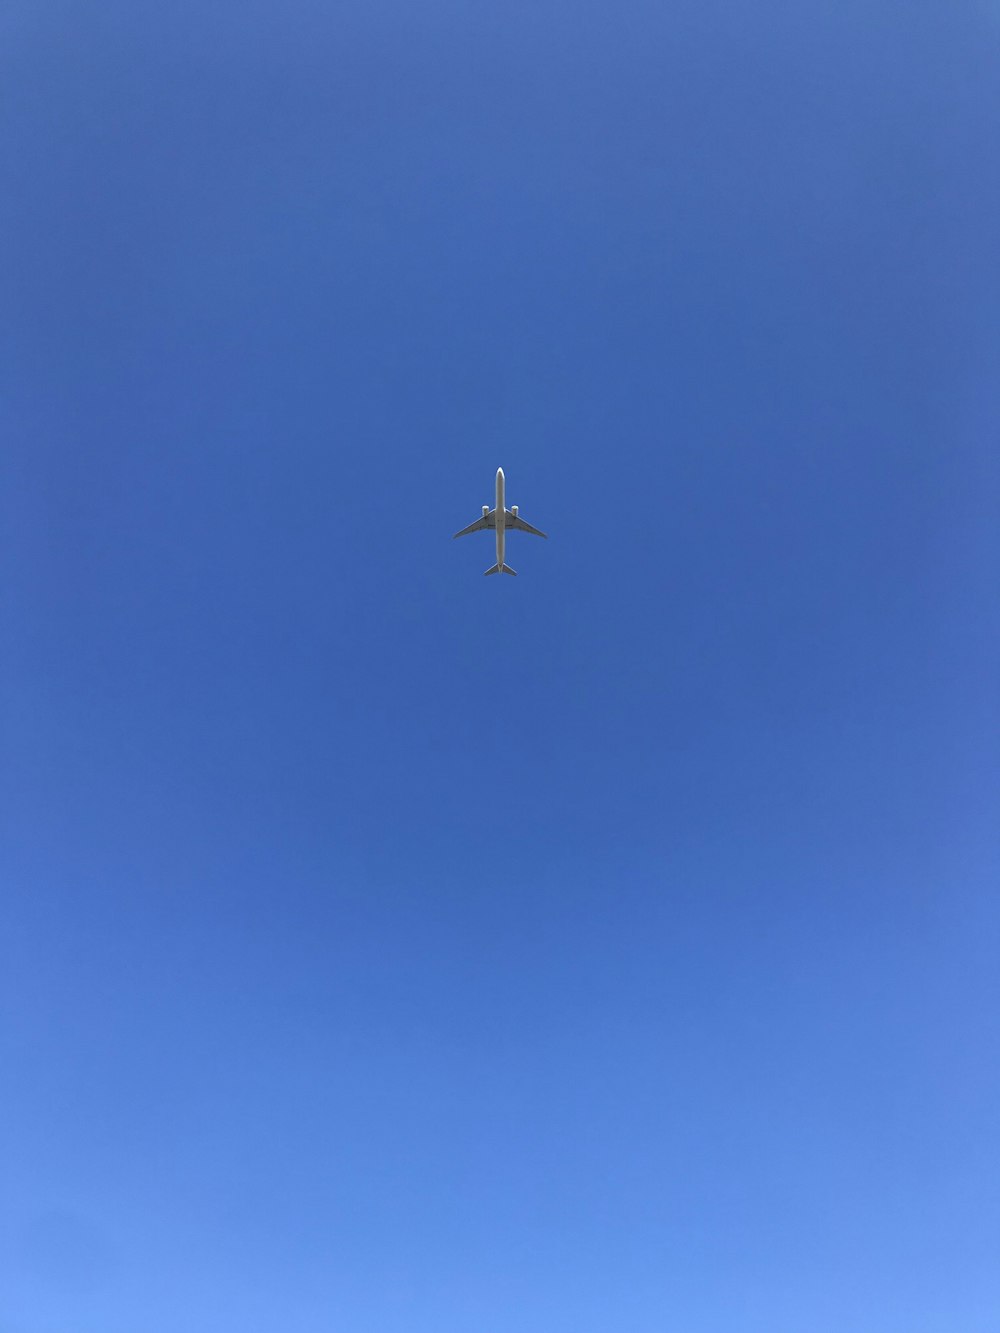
(387, 949)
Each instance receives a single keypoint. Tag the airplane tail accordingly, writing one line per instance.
(501, 569)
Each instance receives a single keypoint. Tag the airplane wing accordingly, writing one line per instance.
(519, 525)
(480, 525)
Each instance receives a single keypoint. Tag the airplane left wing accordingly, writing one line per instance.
(480, 525)
(519, 525)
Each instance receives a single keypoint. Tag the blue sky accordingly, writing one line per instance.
(385, 948)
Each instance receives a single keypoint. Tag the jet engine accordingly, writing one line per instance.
(486, 510)
(513, 510)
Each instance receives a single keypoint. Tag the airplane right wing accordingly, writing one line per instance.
(480, 525)
(517, 524)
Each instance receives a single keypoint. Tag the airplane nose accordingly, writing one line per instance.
(499, 471)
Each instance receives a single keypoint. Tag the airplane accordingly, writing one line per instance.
(503, 521)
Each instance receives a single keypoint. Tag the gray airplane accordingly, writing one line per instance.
(502, 521)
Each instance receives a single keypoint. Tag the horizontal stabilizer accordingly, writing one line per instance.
(501, 569)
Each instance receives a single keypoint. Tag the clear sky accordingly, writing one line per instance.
(386, 949)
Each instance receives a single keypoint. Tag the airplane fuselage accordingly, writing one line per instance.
(501, 515)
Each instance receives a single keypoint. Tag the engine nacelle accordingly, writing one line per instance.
(486, 510)
(513, 510)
